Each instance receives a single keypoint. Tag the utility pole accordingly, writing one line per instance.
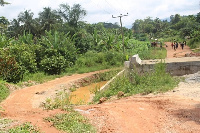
(120, 18)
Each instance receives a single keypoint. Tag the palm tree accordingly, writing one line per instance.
(72, 14)
(48, 19)
(26, 19)
(14, 29)
(2, 2)
(3, 24)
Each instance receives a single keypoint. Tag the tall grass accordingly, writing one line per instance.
(153, 53)
(134, 83)
(92, 61)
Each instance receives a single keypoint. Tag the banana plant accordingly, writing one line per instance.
(4, 41)
(26, 38)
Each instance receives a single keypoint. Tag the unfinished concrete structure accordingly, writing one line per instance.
(175, 66)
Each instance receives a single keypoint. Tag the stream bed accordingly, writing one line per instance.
(84, 94)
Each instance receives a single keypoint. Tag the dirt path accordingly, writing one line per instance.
(175, 111)
(23, 105)
(171, 53)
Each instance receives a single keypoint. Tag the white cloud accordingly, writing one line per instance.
(102, 10)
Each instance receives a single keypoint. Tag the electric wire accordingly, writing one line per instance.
(99, 6)
(94, 2)
(112, 7)
(123, 8)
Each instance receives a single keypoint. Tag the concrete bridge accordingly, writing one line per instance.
(175, 66)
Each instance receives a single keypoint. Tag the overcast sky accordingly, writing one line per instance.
(102, 10)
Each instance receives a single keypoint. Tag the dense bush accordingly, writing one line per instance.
(83, 41)
(92, 58)
(10, 70)
(114, 58)
(63, 43)
(53, 62)
(25, 56)
(4, 41)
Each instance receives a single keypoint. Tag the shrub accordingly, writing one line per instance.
(53, 62)
(94, 59)
(114, 58)
(63, 43)
(10, 70)
(25, 56)
(39, 54)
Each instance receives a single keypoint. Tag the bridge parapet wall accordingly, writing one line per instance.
(175, 66)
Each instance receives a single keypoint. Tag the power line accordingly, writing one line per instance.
(112, 6)
(121, 5)
(120, 18)
(99, 6)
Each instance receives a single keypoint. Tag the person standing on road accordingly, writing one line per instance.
(182, 45)
(174, 45)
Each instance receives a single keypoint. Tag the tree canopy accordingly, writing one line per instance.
(2, 2)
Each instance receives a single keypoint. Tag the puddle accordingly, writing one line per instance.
(82, 94)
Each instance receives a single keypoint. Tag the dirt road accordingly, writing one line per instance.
(171, 53)
(175, 111)
(23, 105)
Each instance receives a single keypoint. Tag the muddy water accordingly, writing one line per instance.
(82, 95)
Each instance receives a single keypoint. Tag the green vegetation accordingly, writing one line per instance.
(6, 127)
(133, 83)
(180, 28)
(58, 43)
(2, 3)
(5, 121)
(72, 122)
(4, 124)
(24, 128)
(62, 101)
(4, 91)
(154, 53)
(55, 43)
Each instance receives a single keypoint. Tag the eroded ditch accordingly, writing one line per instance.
(83, 95)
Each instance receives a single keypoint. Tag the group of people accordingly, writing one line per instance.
(175, 45)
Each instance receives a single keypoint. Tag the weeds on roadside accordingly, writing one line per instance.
(4, 91)
(72, 122)
(24, 128)
(62, 101)
(4, 124)
(134, 83)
